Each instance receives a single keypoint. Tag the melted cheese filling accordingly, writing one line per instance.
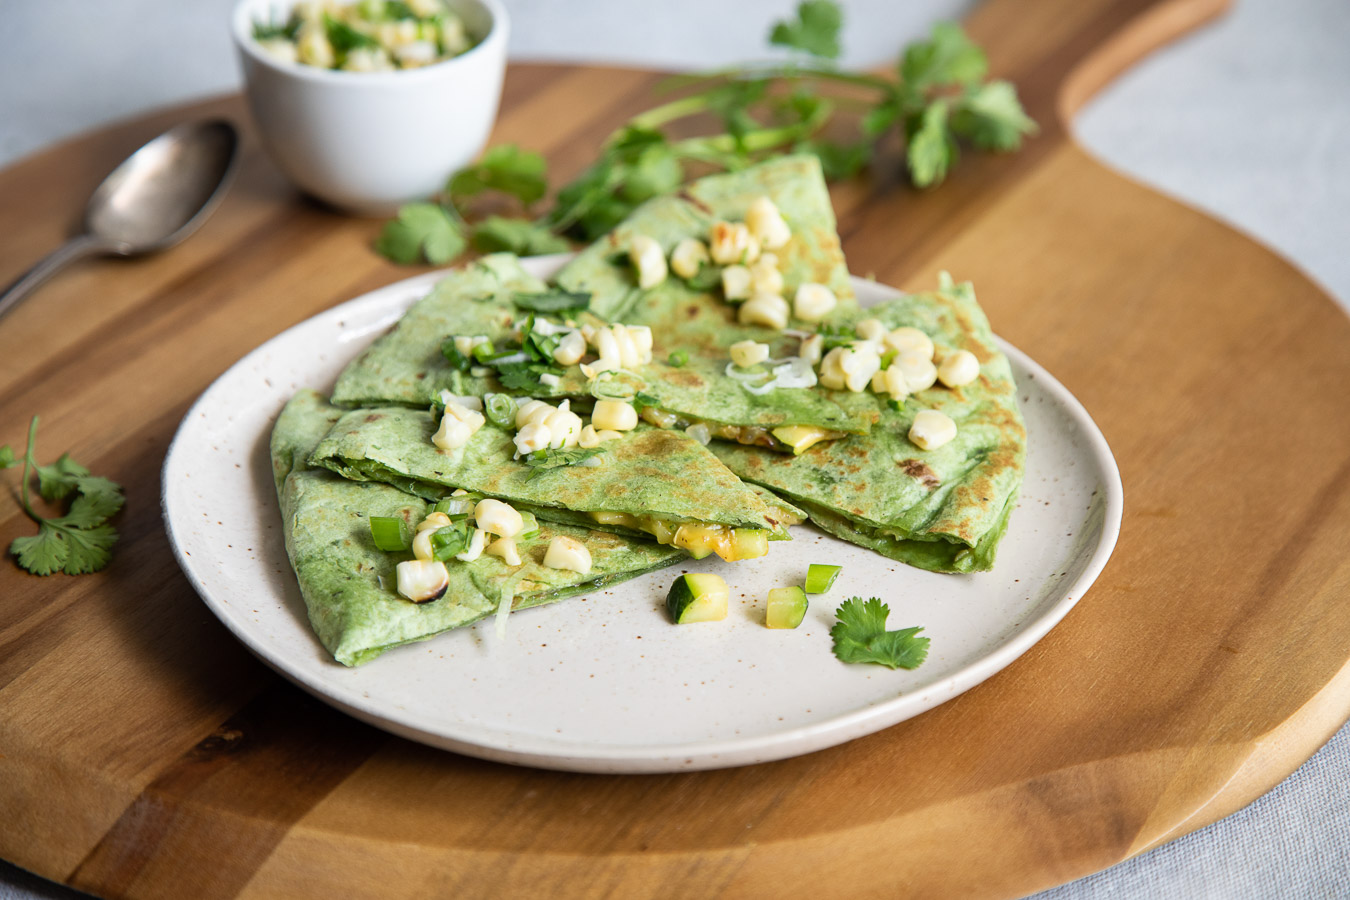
(697, 539)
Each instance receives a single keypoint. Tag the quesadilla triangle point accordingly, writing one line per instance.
(651, 483)
(348, 584)
(697, 320)
(944, 509)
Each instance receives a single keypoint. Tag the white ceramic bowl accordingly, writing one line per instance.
(367, 142)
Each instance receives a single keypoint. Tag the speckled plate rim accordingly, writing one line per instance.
(667, 757)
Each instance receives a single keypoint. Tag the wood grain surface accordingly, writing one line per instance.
(145, 753)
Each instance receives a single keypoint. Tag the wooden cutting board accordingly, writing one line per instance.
(145, 753)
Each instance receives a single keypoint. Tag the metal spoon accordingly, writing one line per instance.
(154, 199)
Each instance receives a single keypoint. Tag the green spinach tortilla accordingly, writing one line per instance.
(944, 509)
(649, 473)
(348, 584)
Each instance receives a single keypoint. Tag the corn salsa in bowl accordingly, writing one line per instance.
(366, 35)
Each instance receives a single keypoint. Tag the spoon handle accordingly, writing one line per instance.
(75, 249)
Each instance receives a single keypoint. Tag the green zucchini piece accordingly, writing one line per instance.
(698, 597)
(820, 579)
(787, 607)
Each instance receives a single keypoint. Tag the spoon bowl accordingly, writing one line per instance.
(152, 200)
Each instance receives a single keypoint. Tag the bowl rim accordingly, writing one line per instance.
(241, 29)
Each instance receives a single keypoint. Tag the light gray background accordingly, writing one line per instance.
(1248, 119)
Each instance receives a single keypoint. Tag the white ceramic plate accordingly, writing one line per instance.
(605, 683)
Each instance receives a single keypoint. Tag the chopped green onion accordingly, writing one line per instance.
(709, 278)
(531, 524)
(554, 300)
(390, 533)
(446, 504)
(820, 578)
(895, 404)
(485, 352)
(679, 359)
(449, 541)
(641, 401)
(500, 409)
(888, 357)
(452, 355)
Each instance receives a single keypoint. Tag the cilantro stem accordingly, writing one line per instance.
(778, 70)
(666, 112)
(30, 461)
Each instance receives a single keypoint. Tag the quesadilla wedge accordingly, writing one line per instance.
(663, 485)
(688, 380)
(348, 584)
(944, 509)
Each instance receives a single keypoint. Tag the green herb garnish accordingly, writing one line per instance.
(549, 458)
(422, 231)
(345, 38)
(457, 360)
(643, 400)
(678, 358)
(497, 234)
(523, 376)
(444, 504)
(390, 533)
(500, 410)
(860, 636)
(708, 278)
(81, 541)
(815, 30)
(506, 169)
(451, 540)
(553, 300)
(836, 336)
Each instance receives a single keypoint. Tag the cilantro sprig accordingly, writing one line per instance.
(939, 97)
(78, 542)
(548, 458)
(860, 636)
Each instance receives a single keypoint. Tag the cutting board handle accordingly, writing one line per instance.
(1061, 52)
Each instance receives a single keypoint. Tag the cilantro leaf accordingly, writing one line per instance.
(60, 548)
(518, 236)
(80, 541)
(44, 553)
(422, 230)
(708, 278)
(814, 31)
(7, 459)
(524, 376)
(345, 38)
(860, 636)
(656, 171)
(879, 119)
(992, 117)
(523, 174)
(932, 148)
(947, 57)
(838, 161)
(98, 500)
(552, 300)
(90, 548)
(541, 460)
(55, 482)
